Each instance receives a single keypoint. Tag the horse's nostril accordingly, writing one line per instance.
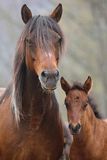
(78, 126)
(49, 74)
(49, 78)
(70, 126)
(44, 74)
(57, 73)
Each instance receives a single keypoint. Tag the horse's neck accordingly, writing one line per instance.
(32, 91)
(35, 101)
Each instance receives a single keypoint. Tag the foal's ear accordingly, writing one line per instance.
(65, 86)
(88, 84)
(57, 13)
(26, 13)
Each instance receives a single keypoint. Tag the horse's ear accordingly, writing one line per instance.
(88, 84)
(65, 86)
(57, 13)
(26, 13)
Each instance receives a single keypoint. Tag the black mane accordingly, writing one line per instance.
(93, 105)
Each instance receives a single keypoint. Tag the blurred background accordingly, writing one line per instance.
(84, 23)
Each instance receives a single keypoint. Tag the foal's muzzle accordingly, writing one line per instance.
(49, 79)
(75, 129)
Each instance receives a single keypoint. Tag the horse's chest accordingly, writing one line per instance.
(79, 151)
(84, 153)
(38, 147)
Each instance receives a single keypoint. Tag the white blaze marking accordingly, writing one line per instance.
(49, 54)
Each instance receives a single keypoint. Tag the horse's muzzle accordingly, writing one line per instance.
(75, 129)
(49, 80)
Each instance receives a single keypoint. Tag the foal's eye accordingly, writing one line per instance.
(76, 98)
(85, 105)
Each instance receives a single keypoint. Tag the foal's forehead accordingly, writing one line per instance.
(76, 93)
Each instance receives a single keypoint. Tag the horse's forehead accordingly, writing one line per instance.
(77, 94)
(46, 33)
(54, 33)
(45, 55)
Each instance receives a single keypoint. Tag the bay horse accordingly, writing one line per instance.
(86, 125)
(30, 123)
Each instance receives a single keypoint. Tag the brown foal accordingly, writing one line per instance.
(88, 129)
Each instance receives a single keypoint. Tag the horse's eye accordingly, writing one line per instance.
(33, 59)
(59, 39)
(66, 104)
(77, 97)
(29, 42)
(57, 59)
(85, 105)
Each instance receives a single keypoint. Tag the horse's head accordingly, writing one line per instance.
(43, 45)
(76, 102)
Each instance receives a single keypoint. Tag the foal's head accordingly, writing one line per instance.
(76, 102)
(43, 41)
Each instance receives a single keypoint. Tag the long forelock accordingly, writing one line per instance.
(40, 25)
